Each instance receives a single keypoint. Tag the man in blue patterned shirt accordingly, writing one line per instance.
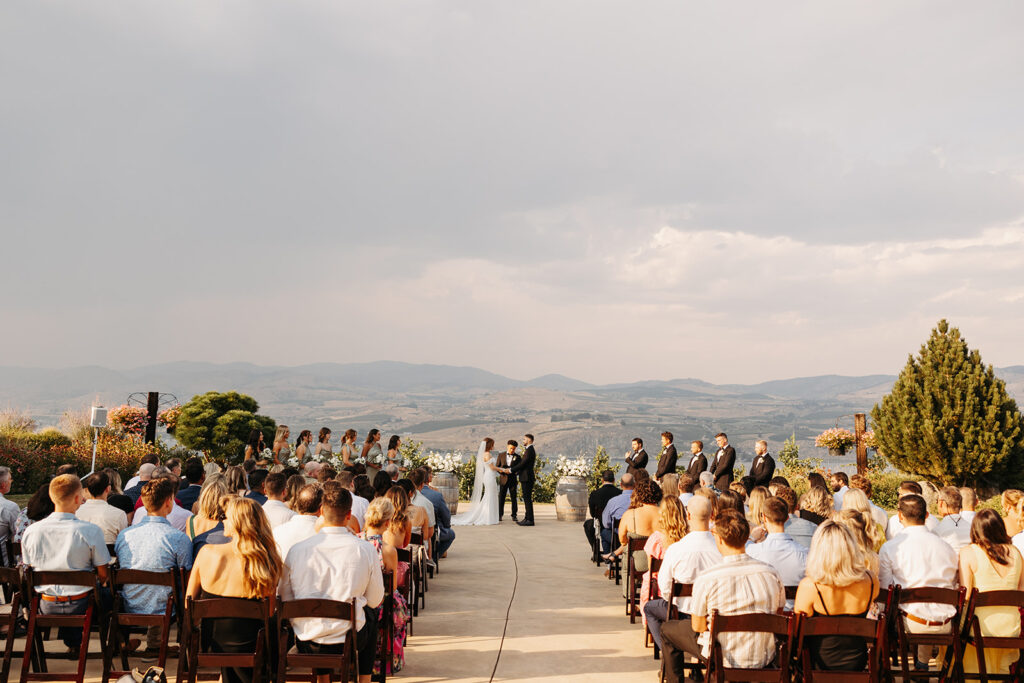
(156, 546)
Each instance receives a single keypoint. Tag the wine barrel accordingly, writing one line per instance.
(571, 499)
(448, 485)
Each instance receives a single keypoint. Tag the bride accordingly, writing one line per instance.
(485, 490)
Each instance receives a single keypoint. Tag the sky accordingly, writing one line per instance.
(613, 191)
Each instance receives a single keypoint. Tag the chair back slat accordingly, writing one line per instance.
(416, 538)
(860, 627)
(791, 592)
(944, 596)
(323, 609)
(10, 576)
(123, 577)
(68, 578)
(637, 544)
(999, 599)
(233, 608)
(759, 622)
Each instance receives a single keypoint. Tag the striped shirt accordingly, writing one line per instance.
(740, 585)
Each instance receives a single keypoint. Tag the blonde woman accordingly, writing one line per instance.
(670, 485)
(292, 488)
(837, 583)
(378, 517)
(868, 535)
(1011, 500)
(249, 567)
(349, 450)
(207, 509)
(856, 499)
(282, 451)
(817, 505)
(672, 528)
(755, 508)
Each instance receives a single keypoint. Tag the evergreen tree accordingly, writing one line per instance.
(949, 418)
(219, 424)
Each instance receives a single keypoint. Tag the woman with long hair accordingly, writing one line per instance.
(39, 506)
(394, 454)
(672, 528)
(642, 517)
(378, 518)
(857, 500)
(302, 446)
(371, 447)
(282, 451)
(254, 445)
(837, 583)
(323, 445)
(992, 563)
(292, 488)
(755, 508)
(817, 504)
(348, 448)
(248, 567)
(399, 530)
(234, 478)
(865, 531)
(1011, 501)
(670, 485)
(381, 484)
(208, 512)
(117, 498)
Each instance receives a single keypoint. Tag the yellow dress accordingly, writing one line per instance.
(1000, 622)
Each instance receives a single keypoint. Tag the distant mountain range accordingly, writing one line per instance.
(452, 407)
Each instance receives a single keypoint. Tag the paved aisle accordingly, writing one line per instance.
(566, 622)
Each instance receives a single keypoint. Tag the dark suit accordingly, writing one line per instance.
(721, 467)
(509, 486)
(524, 470)
(697, 466)
(637, 461)
(667, 462)
(762, 469)
(598, 500)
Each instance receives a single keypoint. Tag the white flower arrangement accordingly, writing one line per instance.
(360, 460)
(407, 463)
(267, 454)
(577, 467)
(380, 459)
(293, 462)
(447, 462)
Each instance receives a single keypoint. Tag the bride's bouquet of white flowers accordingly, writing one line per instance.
(576, 467)
(447, 462)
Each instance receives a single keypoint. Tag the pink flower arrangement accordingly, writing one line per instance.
(169, 418)
(870, 440)
(128, 419)
(837, 437)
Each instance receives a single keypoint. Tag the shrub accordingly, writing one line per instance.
(47, 439)
(218, 424)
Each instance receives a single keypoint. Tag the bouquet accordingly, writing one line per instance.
(448, 462)
(267, 454)
(577, 467)
(837, 437)
(294, 462)
(380, 459)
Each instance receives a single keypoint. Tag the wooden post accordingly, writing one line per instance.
(153, 408)
(860, 425)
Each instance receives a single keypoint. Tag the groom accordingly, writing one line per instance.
(524, 470)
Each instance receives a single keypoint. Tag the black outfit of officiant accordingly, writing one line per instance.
(508, 485)
(637, 461)
(524, 470)
(667, 462)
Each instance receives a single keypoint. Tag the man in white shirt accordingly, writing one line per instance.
(359, 504)
(9, 510)
(179, 516)
(917, 558)
(276, 488)
(303, 524)
(968, 501)
(684, 560)
(894, 526)
(337, 565)
(97, 510)
(778, 549)
(954, 528)
(687, 484)
(840, 483)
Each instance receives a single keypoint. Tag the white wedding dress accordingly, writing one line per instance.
(484, 501)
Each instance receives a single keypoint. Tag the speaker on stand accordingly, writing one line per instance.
(97, 419)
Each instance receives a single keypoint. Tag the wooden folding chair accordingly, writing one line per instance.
(11, 581)
(435, 553)
(192, 656)
(652, 592)
(409, 590)
(972, 634)
(122, 622)
(680, 590)
(34, 656)
(634, 577)
(952, 662)
(615, 566)
(781, 627)
(342, 664)
(871, 630)
(12, 551)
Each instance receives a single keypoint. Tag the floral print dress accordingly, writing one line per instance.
(400, 614)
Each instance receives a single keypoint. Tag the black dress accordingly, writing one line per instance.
(839, 653)
(228, 634)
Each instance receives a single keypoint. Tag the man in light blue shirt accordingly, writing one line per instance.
(153, 545)
(779, 550)
(615, 508)
(62, 542)
(799, 529)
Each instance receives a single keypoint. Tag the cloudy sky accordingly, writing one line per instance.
(613, 191)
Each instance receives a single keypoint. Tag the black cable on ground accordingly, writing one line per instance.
(515, 583)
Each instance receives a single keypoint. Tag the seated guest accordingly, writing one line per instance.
(1010, 500)
(234, 477)
(393, 471)
(418, 514)
(445, 533)
(671, 528)
(917, 558)
(359, 504)
(686, 485)
(840, 485)
(179, 516)
(208, 512)
(9, 512)
(800, 530)
(399, 532)
(894, 527)
(865, 532)
(817, 504)
(378, 516)
(992, 563)
(153, 546)
(708, 482)
(246, 567)
(968, 501)
(857, 500)
(336, 565)
(596, 504)
(192, 484)
(778, 549)
(276, 488)
(295, 482)
(381, 484)
(148, 459)
(303, 524)
(218, 535)
(116, 496)
(62, 542)
(642, 517)
(954, 528)
(838, 583)
(255, 481)
(133, 491)
(753, 510)
(418, 479)
(39, 507)
(670, 485)
(615, 509)
(683, 562)
(859, 481)
(815, 479)
(777, 482)
(731, 500)
(96, 509)
(737, 585)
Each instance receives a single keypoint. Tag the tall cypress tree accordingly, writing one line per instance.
(949, 418)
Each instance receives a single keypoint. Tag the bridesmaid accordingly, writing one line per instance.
(348, 448)
(394, 455)
(302, 444)
(254, 446)
(371, 449)
(323, 448)
(282, 451)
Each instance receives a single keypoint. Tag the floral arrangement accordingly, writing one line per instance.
(870, 440)
(128, 419)
(447, 462)
(168, 417)
(837, 437)
(379, 460)
(577, 467)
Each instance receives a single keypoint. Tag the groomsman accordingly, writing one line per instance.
(725, 459)
(637, 458)
(763, 467)
(524, 470)
(698, 462)
(667, 459)
(507, 482)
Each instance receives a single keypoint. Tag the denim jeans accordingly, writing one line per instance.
(445, 538)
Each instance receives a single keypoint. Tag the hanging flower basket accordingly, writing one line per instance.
(837, 452)
(837, 440)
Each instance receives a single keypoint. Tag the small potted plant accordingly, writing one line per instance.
(836, 440)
